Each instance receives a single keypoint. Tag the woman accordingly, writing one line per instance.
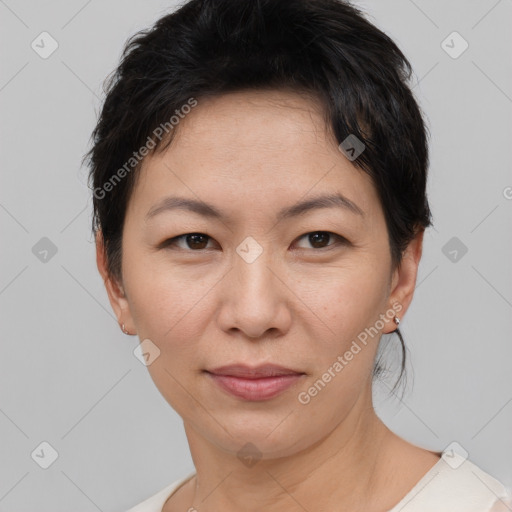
(259, 174)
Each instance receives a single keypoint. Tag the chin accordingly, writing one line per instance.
(264, 438)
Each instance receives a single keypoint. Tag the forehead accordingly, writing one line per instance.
(241, 119)
(265, 148)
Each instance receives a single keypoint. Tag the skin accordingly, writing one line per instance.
(298, 304)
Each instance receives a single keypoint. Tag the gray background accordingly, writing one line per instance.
(68, 374)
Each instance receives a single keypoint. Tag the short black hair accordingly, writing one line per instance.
(324, 48)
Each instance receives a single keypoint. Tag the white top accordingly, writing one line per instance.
(452, 485)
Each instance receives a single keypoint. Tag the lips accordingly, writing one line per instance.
(254, 383)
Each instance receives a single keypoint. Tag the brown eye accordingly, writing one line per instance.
(320, 239)
(191, 241)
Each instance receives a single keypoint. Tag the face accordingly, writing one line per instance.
(257, 279)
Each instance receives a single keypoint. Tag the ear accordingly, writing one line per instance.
(115, 291)
(403, 281)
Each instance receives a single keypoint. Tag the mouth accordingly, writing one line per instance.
(254, 383)
(253, 372)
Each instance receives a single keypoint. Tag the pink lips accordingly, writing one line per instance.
(254, 383)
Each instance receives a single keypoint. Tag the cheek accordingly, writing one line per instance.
(346, 299)
(167, 305)
(344, 345)
(170, 310)
(349, 302)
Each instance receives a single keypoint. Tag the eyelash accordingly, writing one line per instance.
(170, 242)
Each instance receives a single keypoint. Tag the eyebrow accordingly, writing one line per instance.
(207, 210)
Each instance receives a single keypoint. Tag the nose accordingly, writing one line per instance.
(255, 298)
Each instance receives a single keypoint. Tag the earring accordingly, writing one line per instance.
(124, 330)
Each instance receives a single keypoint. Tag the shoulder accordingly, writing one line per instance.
(455, 484)
(155, 502)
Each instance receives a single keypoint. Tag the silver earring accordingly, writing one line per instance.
(124, 330)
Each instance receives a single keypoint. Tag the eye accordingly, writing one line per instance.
(189, 241)
(195, 242)
(320, 239)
